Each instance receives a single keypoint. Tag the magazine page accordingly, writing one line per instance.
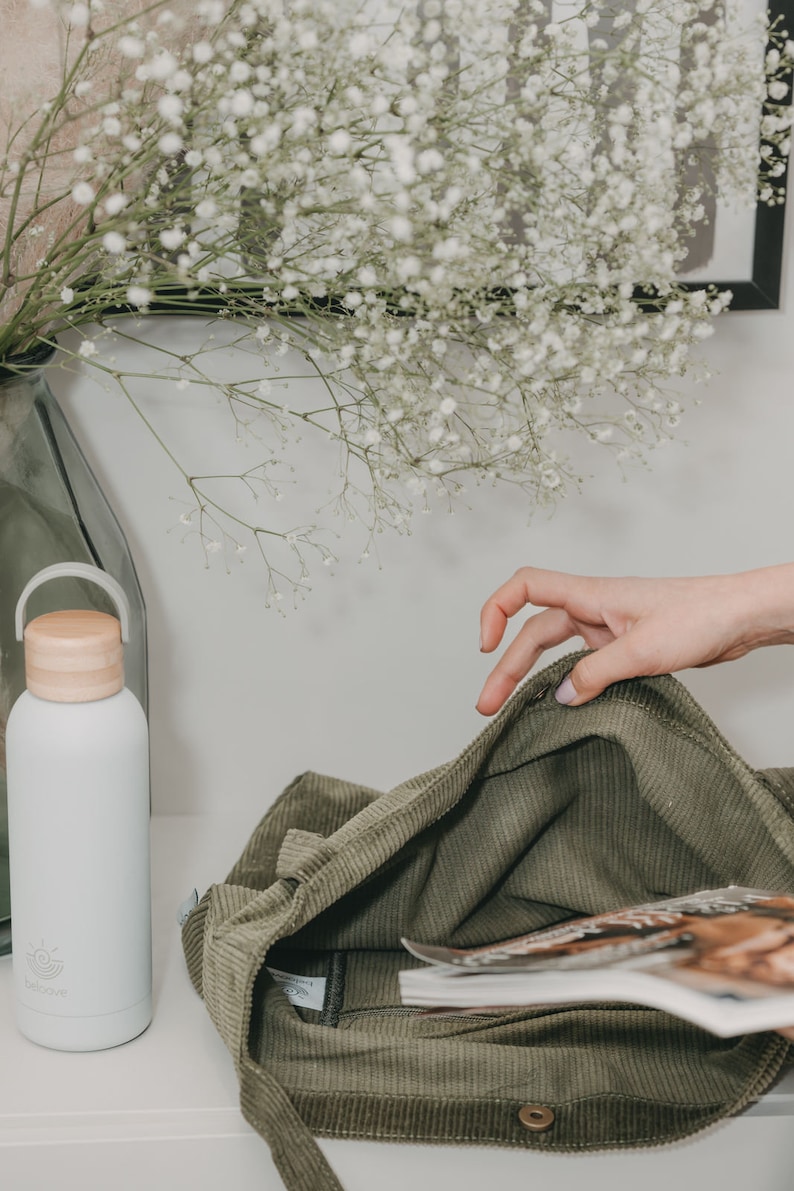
(723, 959)
(713, 917)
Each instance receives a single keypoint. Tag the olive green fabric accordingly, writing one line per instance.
(551, 812)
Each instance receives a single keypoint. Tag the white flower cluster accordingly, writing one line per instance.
(480, 207)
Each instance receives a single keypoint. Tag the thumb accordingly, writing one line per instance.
(598, 670)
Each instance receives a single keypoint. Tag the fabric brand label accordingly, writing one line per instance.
(307, 991)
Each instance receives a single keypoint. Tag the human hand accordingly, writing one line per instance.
(636, 626)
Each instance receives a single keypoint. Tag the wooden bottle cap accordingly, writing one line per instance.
(74, 657)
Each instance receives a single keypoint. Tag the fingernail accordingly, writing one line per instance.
(480, 642)
(566, 691)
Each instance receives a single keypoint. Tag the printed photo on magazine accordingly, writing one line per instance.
(721, 958)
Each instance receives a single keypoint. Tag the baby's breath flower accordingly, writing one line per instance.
(241, 103)
(162, 66)
(401, 228)
(171, 238)
(78, 15)
(83, 193)
(114, 203)
(170, 144)
(131, 46)
(171, 108)
(139, 295)
(340, 141)
(114, 243)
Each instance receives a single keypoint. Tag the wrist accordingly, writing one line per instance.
(768, 599)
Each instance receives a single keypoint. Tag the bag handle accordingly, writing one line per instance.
(225, 975)
(296, 1154)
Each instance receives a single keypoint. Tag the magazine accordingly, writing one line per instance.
(722, 959)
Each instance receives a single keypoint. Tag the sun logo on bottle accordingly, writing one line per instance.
(43, 963)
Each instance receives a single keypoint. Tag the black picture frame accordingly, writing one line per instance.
(762, 289)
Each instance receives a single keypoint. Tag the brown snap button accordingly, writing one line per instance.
(536, 1118)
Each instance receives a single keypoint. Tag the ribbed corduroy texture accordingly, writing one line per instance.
(550, 812)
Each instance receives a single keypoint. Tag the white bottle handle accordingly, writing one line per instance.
(76, 570)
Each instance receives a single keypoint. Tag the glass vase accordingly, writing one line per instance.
(51, 510)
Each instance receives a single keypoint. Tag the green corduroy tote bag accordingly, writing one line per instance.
(551, 812)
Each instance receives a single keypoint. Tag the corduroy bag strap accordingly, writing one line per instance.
(266, 1105)
(223, 959)
(225, 945)
(295, 1151)
(323, 839)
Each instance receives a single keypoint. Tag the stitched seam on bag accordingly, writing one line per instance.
(501, 1140)
(510, 1101)
(718, 746)
(457, 1138)
(714, 1111)
(714, 744)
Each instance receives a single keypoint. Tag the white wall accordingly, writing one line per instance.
(376, 673)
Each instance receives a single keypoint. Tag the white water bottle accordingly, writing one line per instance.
(78, 816)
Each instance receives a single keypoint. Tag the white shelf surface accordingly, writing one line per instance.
(162, 1111)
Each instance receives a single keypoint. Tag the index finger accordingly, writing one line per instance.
(529, 585)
